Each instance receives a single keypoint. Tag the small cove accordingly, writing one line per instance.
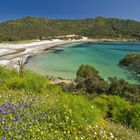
(65, 59)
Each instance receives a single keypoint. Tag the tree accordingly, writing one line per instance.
(88, 79)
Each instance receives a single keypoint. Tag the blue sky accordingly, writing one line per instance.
(12, 9)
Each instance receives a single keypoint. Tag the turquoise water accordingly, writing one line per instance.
(103, 56)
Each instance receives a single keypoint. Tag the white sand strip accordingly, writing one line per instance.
(28, 49)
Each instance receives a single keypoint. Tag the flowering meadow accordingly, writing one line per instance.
(33, 109)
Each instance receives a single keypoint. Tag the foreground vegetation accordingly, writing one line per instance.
(31, 108)
(29, 28)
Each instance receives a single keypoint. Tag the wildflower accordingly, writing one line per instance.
(42, 133)
(67, 117)
(15, 120)
(92, 107)
(90, 126)
(3, 138)
(111, 135)
(65, 132)
(95, 133)
(96, 126)
(27, 126)
(69, 111)
(18, 116)
(0, 110)
(26, 105)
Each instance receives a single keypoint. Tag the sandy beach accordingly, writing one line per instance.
(11, 53)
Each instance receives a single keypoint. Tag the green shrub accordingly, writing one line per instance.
(102, 105)
(15, 83)
(35, 82)
(80, 109)
(133, 117)
(113, 107)
(88, 79)
(118, 108)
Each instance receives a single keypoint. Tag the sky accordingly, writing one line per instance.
(69, 9)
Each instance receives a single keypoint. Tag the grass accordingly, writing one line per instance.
(32, 108)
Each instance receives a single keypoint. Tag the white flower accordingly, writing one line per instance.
(96, 126)
(92, 106)
(95, 133)
(111, 135)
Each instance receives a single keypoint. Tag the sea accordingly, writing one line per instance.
(64, 60)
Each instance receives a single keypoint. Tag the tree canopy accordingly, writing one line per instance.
(38, 28)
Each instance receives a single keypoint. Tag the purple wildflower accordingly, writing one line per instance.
(15, 120)
(0, 110)
(22, 119)
(3, 138)
(27, 126)
(26, 105)
(18, 116)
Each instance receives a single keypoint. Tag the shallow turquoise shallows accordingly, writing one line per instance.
(65, 60)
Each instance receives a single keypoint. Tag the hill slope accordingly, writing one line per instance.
(100, 27)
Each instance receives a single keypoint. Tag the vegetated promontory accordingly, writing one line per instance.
(43, 28)
(131, 62)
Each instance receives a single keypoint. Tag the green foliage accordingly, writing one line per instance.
(102, 104)
(31, 108)
(113, 107)
(35, 82)
(83, 110)
(15, 83)
(117, 87)
(131, 62)
(122, 132)
(49, 116)
(30, 82)
(88, 79)
(118, 108)
(133, 117)
(124, 89)
(87, 71)
(42, 28)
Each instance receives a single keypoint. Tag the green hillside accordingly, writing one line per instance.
(37, 28)
(33, 109)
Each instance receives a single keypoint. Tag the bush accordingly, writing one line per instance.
(35, 82)
(112, 107)
(118, 108)
(81, 110)
(102, 105)
(88, 79)
(133, 117)
(15, 83)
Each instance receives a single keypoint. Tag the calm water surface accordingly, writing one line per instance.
(103, 56)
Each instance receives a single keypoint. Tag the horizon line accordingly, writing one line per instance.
(57, 18)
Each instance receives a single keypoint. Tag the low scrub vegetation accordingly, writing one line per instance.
(29, 28)
(32, 108)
